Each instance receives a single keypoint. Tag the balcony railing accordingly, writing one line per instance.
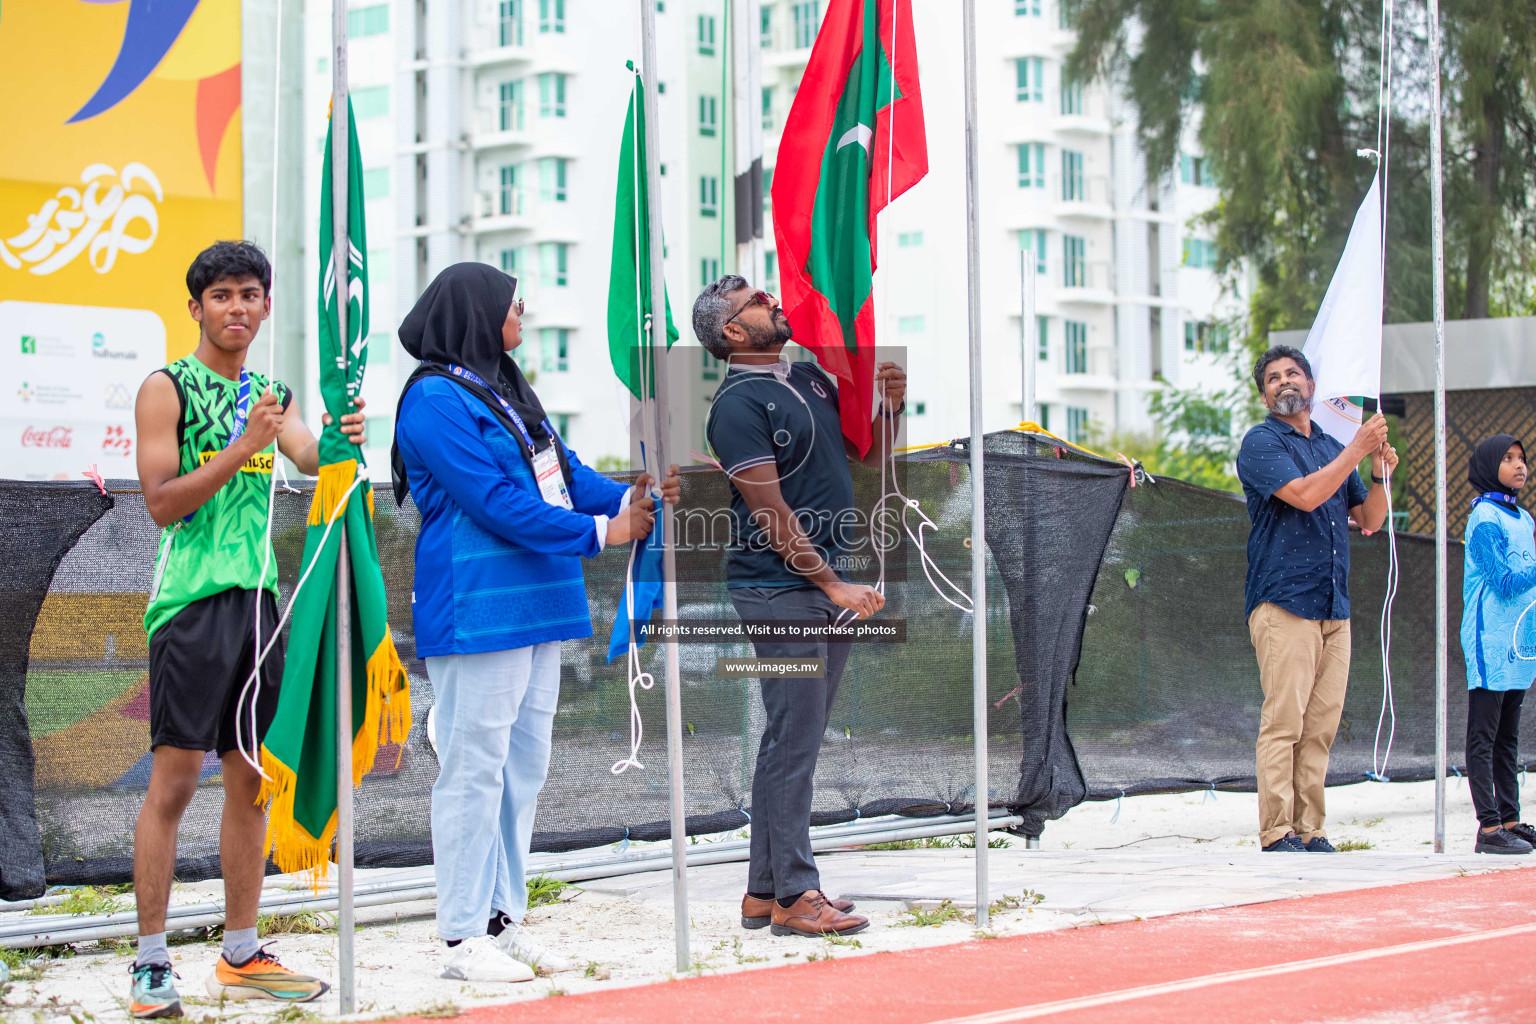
(499, 120)
(1088, 361)
(501, 202)
(1087, 196)
(1084, 281)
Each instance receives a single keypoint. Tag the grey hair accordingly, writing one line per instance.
(710, 312)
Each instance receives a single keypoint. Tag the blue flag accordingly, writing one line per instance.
(643, 582)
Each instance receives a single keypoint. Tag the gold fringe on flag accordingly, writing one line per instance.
(386, 719)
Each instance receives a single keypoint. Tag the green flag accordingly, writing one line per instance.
(299, 752)
(629, 279)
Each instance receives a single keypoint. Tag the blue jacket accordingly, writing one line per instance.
(1498, 584)
(497, 567)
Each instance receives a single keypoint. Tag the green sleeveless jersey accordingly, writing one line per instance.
(221, 547)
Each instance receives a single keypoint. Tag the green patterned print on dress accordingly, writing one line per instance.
(221, 548)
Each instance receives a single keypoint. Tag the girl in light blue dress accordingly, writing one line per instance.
(1499, 588)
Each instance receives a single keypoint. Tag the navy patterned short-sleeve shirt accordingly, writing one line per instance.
(1297, 560)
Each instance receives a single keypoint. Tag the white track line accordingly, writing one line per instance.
(1127, 995)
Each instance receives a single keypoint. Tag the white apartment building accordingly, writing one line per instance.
(490, 131)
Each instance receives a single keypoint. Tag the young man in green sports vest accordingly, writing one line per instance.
(206, 433)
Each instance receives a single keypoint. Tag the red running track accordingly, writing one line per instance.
(1451, 950)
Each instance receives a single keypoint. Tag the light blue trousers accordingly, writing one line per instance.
(495, 712)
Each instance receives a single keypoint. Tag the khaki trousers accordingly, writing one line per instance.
(1303, 668)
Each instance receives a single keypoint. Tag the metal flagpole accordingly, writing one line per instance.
(978, 479)
(340, 250)
(1437, 217)
(747, 137)
(1028, 331)
(664, 513)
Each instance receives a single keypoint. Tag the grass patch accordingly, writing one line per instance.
(87, 899)
(293, 1014)
(1355, 844)
(960, 842)
(1027, 898)
(918, 917)
(834, 939)
(742, 957)
(438, 1010)
(543, 890)
(305, 922)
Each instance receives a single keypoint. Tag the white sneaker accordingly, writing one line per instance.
(516, 943)
(481, 959)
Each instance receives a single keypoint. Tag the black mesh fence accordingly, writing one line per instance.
(1122, 605)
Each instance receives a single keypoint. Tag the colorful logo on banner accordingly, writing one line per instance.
(124, 161)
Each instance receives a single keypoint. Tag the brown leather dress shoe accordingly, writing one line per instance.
(756, 913)
(814, 914)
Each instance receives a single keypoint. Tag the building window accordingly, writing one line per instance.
(1042, 338)
(767, 107)
(552, 95)
(1077, 424)
(376, 183)
(509, 261)
(370, 102)
(509, 22)
(1199, 253)
(709, 272)
(1043, 410)
(1066, 12)
(1029, 73)
(767, 190)
(1026, 8)
(1074, 263)
(553, 258)
(1075, 340)
(367, 21)
(552, 179)
(1033, 240)
(554, 353)
(509, 107)
(551, 16)
(562, 423)
(709, 196)
(1200, 336)
(911, 324)
(707, 115)
(1071, 176)
(765, 13)
(507, 199)
(711, 366)
(771, 271)
(1032, 165)
(909, 240)
(707, 35)
(1071, 94)
(1196, 170)
(919, 408)
(807, 18)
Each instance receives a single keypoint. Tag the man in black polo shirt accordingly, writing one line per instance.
(1302, 488)
(775, 428)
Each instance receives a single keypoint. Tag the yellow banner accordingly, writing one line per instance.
(121, 161)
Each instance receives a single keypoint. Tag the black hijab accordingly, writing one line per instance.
(458, 320)
(1483, 472)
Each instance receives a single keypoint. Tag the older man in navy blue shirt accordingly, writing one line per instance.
(1302, 488)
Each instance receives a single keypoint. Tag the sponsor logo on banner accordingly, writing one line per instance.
(25, 392)
(47, 437)
(99, 349)
(114, 213)
(118, 396)
(118, 441)
(28, 345)
(1350, 408)
(261, 462)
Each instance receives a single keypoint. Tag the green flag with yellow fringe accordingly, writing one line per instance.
(298, 755)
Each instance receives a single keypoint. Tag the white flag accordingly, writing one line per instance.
(1344, 345)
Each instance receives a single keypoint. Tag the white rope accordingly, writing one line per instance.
(1514, 637)
(247, 694)
(1383, 154)
(277, 631)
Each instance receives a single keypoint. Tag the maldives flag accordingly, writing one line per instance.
(853, 142)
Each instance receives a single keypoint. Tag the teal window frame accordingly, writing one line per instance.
(552, 94)
(1029, 79)
(551, 17)
(367, 21)
(709, 110)
(1074, 261)
(552, 179)
(1034, 240)
(554, 264)
(709, 196)
(706, 35)
(807, 19)
(370, 102)
(508, 190)
(509, 22)
(1074, 339)
(1072, 190)
(1031, 164)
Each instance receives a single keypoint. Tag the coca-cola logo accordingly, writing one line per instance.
(49, 437)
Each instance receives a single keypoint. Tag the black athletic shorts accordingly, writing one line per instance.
(199, 662)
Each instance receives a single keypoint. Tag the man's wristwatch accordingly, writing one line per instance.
(891, 415)
(1377, 479)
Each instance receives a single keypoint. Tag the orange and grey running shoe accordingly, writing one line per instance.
(262, 977)
(154, 993)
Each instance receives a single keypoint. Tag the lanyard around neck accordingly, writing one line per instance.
(242, 406)
(517, 421)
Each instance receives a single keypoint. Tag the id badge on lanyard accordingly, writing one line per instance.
(546, 470)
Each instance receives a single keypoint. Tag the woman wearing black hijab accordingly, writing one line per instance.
(507, 514)
(1498, 584)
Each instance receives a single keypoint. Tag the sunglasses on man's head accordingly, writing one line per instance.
(755, 298)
